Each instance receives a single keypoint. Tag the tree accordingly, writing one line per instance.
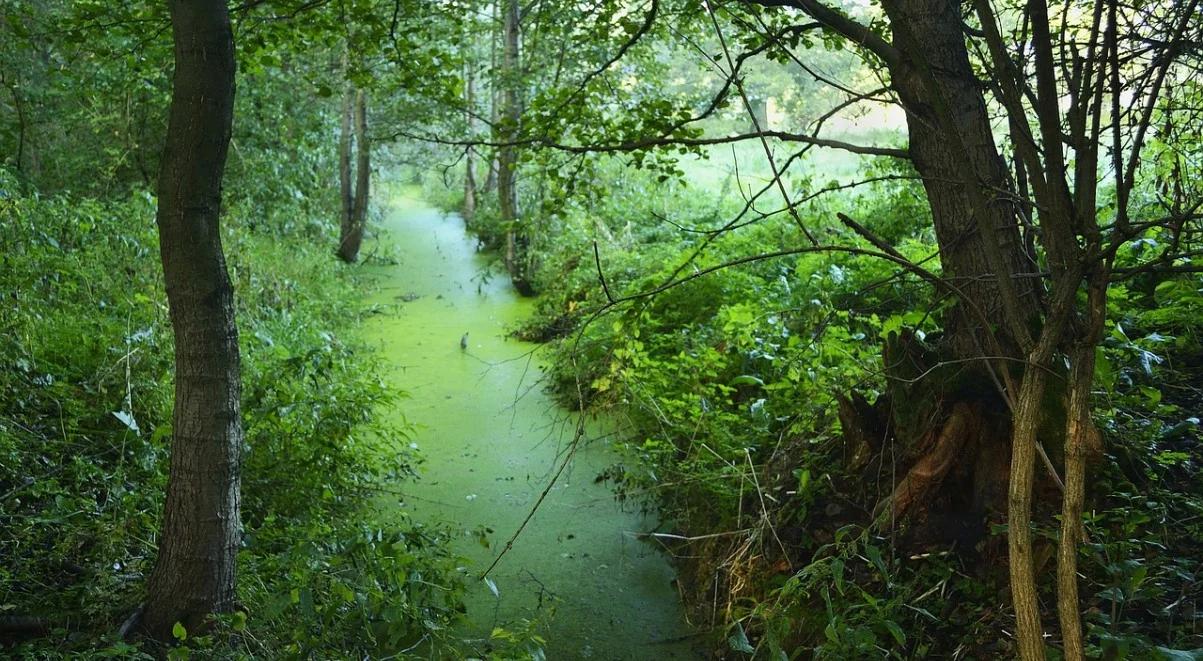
(195, 570)
(469, 206)
(354, 198)
(977, 209)
(517, 230)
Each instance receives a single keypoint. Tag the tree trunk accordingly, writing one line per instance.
(363, 162)
(517, 234)
(194, 573)
(22, 127)
(345, 175)
(352, 234)
(469, 208)
(981, 252)
(494, 105)
(1019, 514)
(1082, 440)
(952, 147)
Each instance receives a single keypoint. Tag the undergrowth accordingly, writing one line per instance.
(730, 380)
(85, 412)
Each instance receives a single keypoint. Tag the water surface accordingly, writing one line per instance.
(492, 440)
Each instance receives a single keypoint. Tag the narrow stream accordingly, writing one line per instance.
(492, 440)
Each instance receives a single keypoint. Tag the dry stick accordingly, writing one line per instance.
(690, 538)
(740, 223)
(601, 276)
(666, 140)
(764, 511)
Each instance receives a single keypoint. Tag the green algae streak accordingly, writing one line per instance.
(492, 440)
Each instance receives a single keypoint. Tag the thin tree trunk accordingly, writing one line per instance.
(1028, 628)
(494, 105)
(469, 208)
(352, 238)
(363, 161)
(194, 573)
(25, 134)
(345, 145)
(21, 126)
(1081, 440)
(1077, 427)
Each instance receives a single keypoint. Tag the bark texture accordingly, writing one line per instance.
(1019, 515)
(953, 149)
(194, 573)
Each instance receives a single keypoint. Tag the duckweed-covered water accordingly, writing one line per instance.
(492, 440)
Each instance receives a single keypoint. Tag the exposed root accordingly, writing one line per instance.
(927, 473)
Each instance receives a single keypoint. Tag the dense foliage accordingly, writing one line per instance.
(731, 381)
(86, 403)
(760, 231)
(86, 384)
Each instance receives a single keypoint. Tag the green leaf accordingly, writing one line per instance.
(179, 632)
(739, 640)
(896, 632)
(874, 556)
(747, 380)
(803, 480)
(161, 432)
(1152, 395)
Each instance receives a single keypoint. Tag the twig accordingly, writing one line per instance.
(576, 443)
(601, 276)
